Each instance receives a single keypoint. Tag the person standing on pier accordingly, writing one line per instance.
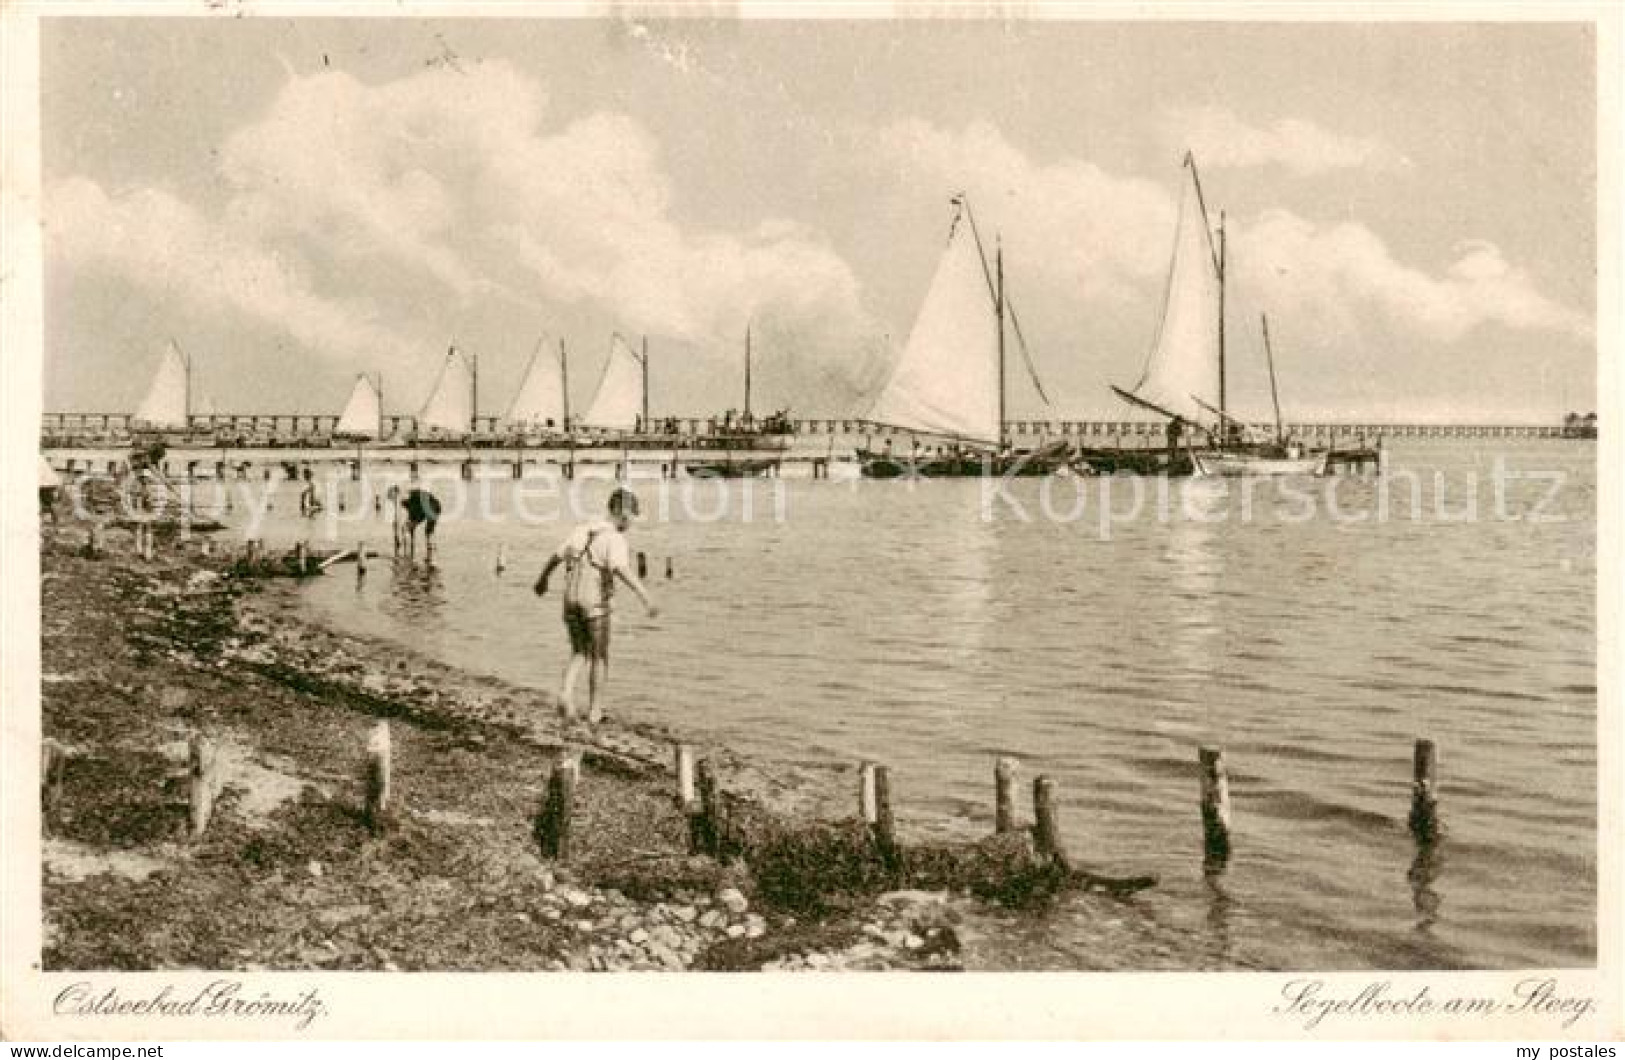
(593, 556)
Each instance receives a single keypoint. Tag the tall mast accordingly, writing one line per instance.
(998, 308)
(379, 387)
(747, 371)
(645, 382)
(1269, 356)
(187, 362)
(1223, 408)
(474, 393)
(564, 381)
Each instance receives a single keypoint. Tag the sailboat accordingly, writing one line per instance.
(748, 435)
(363, 415)
(167, 406)
(1184, 375)
(949, 380)
(542, 402)
(449, 412)
(621, 402)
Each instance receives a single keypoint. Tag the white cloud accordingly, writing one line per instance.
(426, 197)
(1345, 274)
(454, 174)
(1220, 140)
(1079, 229)
(165, 245)
(1089, 234)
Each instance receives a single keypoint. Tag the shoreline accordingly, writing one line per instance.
(140, 655)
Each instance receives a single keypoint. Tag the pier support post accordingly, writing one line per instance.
(202, 762)
(467, 470)
(1047, 825)
(1004, 795)
(1424, 818)
(687, 800)
(1215, 807)
(553, 823)
(380, 752)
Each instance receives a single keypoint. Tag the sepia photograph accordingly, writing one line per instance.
(676, 489)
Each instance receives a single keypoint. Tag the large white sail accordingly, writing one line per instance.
(1183, 369)
(539, 400)
(363, 413)
(618, 402)
(946, 381)
(165, 405)
(450, 408)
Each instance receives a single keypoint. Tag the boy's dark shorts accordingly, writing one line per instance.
(589, 634)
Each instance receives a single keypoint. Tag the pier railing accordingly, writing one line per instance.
(245, 431)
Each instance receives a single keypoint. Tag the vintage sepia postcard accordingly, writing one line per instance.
(686, 520)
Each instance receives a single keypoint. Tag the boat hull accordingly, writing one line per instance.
(1238, 465)
(1031, 463)
(732, 469)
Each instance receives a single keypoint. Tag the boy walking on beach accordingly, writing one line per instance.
(594, 555)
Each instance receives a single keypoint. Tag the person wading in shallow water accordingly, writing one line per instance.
(593, 556)
(421, 508)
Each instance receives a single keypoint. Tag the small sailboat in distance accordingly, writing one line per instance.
(363, 415)
(167, 405)
(542, 402)
(449, 412)
(621, 402)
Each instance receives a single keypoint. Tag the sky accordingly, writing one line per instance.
(294, 200)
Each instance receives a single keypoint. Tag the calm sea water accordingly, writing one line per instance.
(817, 622)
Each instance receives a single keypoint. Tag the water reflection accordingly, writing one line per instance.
(1424, 871)
(1220, 904)
(416, 591)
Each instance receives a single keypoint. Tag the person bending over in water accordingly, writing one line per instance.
(422, 508)
(593, 556)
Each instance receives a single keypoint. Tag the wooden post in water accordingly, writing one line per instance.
(1005, 771)
(380, 752)
(868, 796)
(1424, 819)
(553, 823)
(1215, 807)
(669, 573)
(643, 565)
(1047, 825)
(885, 830)
(713, 823)
(93, 542)
(502, 557)
(201, 771)
(360, 558)
(687, 799)
(146, 542)
(300, 557)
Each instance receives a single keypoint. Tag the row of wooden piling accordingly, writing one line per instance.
(1423, 819)
(699, 798)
